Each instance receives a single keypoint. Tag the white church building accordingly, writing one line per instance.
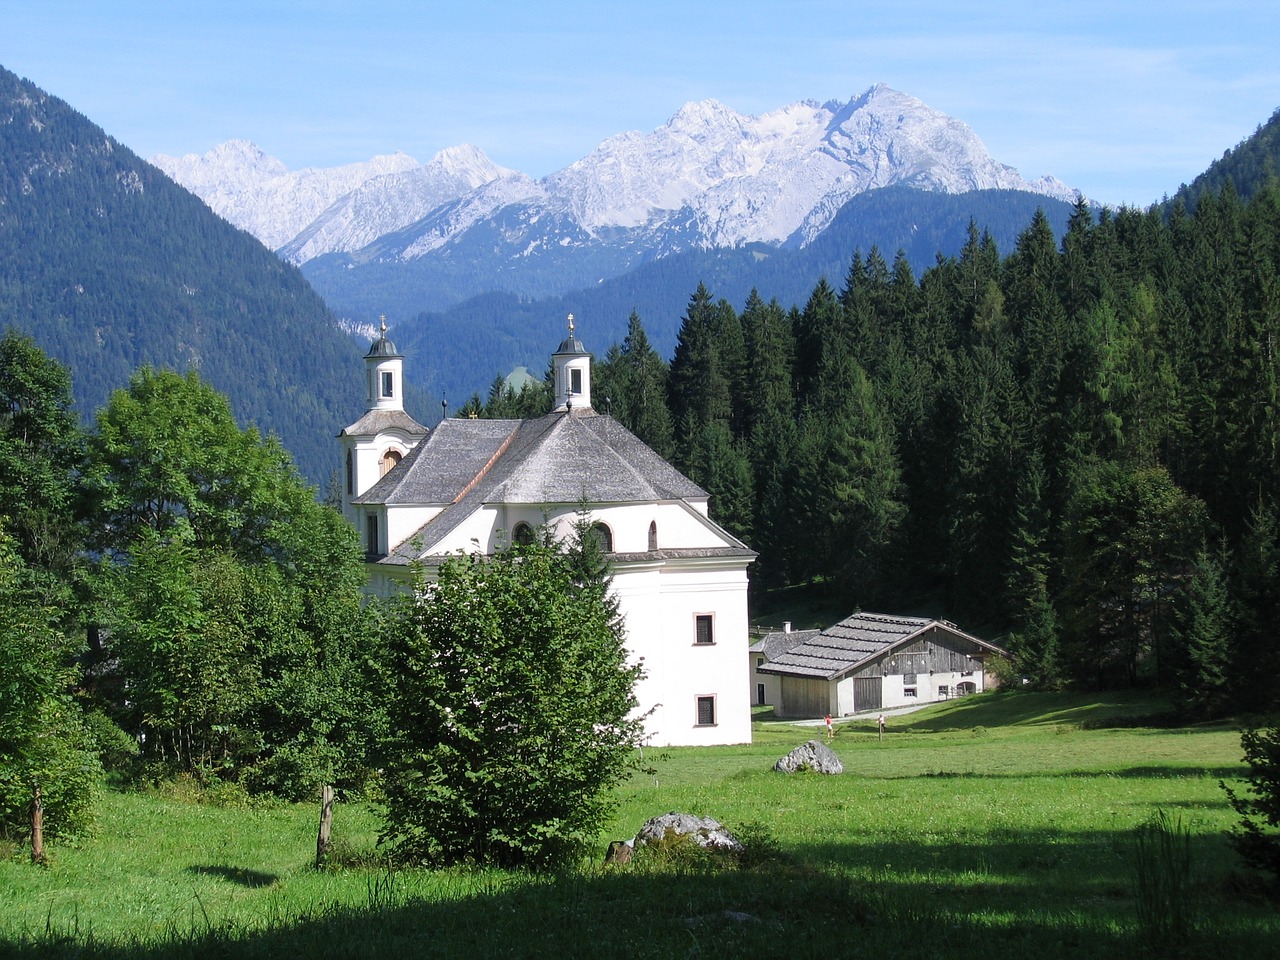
(418, 496)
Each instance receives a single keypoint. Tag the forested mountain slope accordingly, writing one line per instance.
(110, 266)
(1248, 166)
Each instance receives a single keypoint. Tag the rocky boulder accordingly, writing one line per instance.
(811, 755)
(704, 831)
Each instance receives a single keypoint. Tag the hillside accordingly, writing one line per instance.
(1248, 166)
(110, 266)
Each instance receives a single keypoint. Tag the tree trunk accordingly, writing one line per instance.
(37, 826)
(326, 823)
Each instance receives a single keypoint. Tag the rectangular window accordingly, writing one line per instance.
(908, 691)
(371, 533)
(575, 381)
(388, 381)
(707, 711)
(703, 633)
(760, 694)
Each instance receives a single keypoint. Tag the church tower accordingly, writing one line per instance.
(378, 440)
(572, 365)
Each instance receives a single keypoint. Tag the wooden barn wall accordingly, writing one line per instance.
(935, 652)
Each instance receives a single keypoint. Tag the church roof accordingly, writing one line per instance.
(378, 421)
(570, 344)
(841, 648)
(558, 458)
(382, 347)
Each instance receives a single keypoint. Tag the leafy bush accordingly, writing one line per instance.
(511, 710)
(1257, 838)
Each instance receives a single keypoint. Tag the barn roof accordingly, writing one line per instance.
(851, 643)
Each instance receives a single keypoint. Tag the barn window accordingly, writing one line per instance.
(707, 711)
(703, 633)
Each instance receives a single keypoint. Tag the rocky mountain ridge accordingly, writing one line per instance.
(710, 177)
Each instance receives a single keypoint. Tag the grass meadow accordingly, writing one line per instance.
(1045, 825)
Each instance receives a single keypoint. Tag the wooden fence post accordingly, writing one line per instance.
(37, 826)
(326, 823)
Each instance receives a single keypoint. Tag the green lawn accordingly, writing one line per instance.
(993, 823)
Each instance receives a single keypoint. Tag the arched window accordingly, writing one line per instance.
(603, 535)
(522, 534)
(389, 460)
(653, 535)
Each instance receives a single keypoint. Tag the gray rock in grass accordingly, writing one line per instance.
(810, 755)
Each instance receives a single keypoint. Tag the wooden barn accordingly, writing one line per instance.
(869, 661)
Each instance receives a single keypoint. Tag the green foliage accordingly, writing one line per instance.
(1204, 623)
(40, 453)
(510, 711)
(43, 741)
(233, 596)
(1133, 536)
(1257, 837)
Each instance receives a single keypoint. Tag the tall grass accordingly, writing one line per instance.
(1165, 896)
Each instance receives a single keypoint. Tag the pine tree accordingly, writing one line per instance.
(1204, 628)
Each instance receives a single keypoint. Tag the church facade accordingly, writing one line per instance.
(418, 496)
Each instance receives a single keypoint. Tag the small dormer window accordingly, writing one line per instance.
(388, 383)
(389, 460)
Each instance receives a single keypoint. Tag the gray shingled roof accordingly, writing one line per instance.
(853, 641)
(558, 458)
(774, 645)
(376, 421)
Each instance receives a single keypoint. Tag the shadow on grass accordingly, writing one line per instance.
(1045, 893)
(1145, 773)
(240, 875)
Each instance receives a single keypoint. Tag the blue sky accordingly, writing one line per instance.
(1123, 99)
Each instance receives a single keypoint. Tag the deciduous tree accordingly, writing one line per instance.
(511, 711)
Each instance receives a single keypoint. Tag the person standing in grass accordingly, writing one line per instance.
(831, 730)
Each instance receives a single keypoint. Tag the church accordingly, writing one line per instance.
(419, 495)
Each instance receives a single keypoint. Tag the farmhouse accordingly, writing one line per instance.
(420, 495)
(869, 661)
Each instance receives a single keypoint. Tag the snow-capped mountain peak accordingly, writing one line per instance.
(708, 177)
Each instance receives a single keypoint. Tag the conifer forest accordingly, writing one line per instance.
(1073, 447)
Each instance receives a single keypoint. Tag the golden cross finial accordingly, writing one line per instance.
(571, 323)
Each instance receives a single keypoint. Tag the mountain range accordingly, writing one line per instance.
(392, 235)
